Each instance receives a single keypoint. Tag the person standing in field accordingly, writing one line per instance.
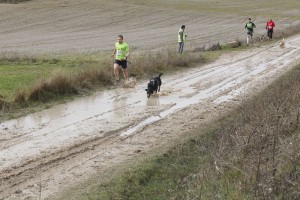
(249, 27)
(269, 26)
(121, 53)
(181, 39)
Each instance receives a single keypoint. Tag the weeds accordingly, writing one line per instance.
(250, 154)
(81, 73)
(14, 57)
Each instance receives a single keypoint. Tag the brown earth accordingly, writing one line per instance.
(56, 26)
(44, 154)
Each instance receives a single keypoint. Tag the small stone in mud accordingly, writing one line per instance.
(18, 192)
(137, 151)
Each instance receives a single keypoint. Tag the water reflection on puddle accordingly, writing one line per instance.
(111, 104)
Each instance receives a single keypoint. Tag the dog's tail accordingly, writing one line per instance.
(160, 74)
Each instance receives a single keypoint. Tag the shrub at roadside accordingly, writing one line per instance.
(63, 84)
(156, 62)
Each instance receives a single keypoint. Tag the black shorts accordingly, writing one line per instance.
(249, 32)
(122, 63)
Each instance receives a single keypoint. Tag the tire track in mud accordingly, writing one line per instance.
(27, 170)
(31, 133)
(209, 72)
(206, 88)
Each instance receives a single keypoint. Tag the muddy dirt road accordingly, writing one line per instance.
(43, 154)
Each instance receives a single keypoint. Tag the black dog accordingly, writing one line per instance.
(153, 85)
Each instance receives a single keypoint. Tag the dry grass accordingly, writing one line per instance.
(278, 34)
(62, 83)
(235, 44)
(155, 62)
(14, 57)
(251, 154)
(255, 153)
(45, 90)
(288, 31)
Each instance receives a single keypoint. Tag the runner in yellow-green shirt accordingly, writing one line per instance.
(121, 53)
(181, 39)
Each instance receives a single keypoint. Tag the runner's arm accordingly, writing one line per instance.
(127, 53)
(114, 53)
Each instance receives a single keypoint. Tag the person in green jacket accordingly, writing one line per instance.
(249, 27)
(121, 54)
(181, 39)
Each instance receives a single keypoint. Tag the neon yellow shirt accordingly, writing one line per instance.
(181, 31)
(121, 50)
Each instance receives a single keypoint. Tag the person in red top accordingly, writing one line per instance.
(269, 26)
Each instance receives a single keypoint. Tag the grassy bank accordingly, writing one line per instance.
(27, 81)
(253, 153)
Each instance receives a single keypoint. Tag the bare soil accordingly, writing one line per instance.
(45, 153)
(55, 26)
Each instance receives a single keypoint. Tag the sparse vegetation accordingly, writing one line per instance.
(251, 154)
(40, 79)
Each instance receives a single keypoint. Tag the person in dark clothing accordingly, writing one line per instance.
(249, 27)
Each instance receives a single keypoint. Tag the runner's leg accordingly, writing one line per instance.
(116, 71)
(180, 49)
(182, 45)
(248, 38)
(125, 73)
